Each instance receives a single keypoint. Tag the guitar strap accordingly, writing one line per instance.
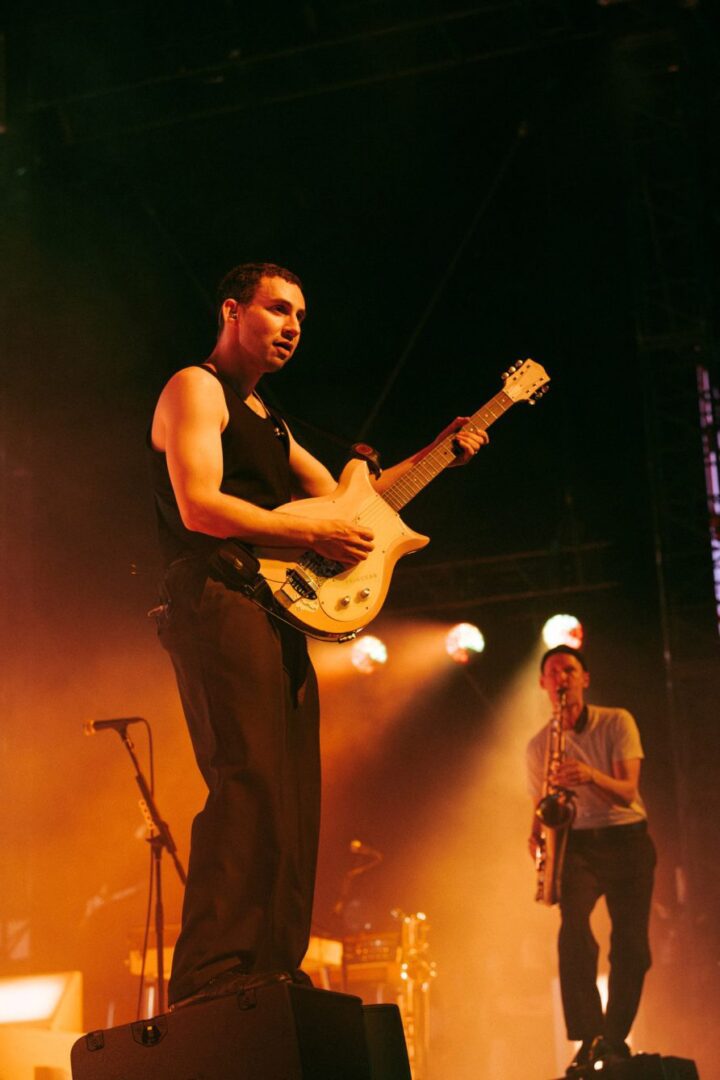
(237, 568)
(360, 450)
(370, 456)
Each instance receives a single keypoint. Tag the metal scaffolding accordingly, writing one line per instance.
(659, 85)
(563, 570)
(165, 75)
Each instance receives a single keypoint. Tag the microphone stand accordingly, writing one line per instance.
(160, 837)
(373, 859)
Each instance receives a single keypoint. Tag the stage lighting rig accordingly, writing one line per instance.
(368, 653)
(464, 641)
(563, 630)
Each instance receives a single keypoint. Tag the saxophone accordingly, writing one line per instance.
(555, 811)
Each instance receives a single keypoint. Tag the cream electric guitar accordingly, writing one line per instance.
(334, 603)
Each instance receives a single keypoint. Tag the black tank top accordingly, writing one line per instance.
(255, 468)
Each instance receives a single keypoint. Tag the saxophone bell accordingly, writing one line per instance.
(556, 810)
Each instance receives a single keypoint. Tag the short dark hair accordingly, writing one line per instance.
(242, 281)
(567, 649)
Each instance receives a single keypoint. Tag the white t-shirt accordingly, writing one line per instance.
(609, 735)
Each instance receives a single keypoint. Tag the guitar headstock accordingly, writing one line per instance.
(526, 381)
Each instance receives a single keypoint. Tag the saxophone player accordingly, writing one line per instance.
(609, 853)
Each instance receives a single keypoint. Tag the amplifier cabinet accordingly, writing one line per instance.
(276, 1032)
(386, 1043)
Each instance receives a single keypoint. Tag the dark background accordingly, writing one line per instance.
(454, 186)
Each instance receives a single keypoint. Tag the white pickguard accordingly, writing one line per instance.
(348, 601)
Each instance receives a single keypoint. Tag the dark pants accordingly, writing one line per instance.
(618, 863)
(250, 699)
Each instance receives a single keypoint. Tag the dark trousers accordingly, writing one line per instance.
(249, 695)
(618, 863)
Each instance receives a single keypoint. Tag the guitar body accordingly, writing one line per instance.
(343, 603)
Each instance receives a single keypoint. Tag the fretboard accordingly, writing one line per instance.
(415, 479)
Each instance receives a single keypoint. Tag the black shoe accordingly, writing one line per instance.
(609, 1052)
(234, 981)
(616, 1050)
(582, 1057)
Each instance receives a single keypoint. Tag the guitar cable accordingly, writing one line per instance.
(250, 592)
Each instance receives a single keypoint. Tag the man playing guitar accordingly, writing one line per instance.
(222, 463)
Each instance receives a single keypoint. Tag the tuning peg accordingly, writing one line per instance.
(505, 376)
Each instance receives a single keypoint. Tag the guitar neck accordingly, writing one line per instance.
(415, 479)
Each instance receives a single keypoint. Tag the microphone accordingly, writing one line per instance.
(358, 848)
(93, 726)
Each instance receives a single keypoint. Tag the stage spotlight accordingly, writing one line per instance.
(563, 630)
(368, 653)
(463, 641)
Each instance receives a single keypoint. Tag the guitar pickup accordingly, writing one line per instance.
(321, 566)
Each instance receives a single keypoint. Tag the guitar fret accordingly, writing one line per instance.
(408, 486)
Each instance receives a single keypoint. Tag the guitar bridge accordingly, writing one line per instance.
(300, 584)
